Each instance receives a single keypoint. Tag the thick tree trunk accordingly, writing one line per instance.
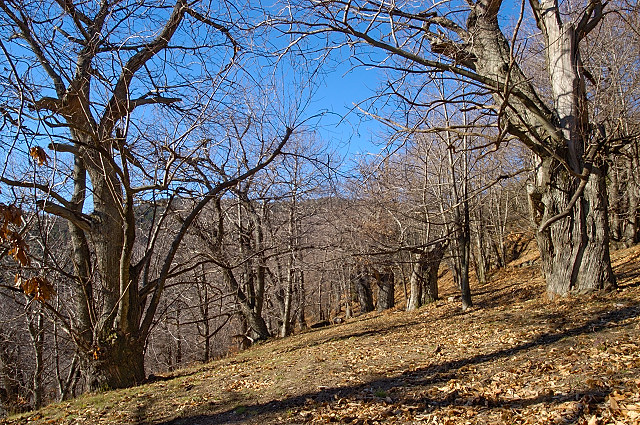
(434, 258)
(113, 355)
(117, 362)
(574, 249)
(365, 295)
(386, 289)
(107, 234)
(424, 277)
(416, 285)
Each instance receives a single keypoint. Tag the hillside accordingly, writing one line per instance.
(515, 358)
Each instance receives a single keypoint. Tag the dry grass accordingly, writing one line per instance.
(514, 358)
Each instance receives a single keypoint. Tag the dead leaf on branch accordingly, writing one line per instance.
(10, 215)
(19, 248)
(38, 287)
(39, 155)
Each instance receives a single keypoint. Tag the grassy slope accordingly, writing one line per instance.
(514, 358)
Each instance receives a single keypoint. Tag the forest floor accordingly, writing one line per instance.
(514, 358)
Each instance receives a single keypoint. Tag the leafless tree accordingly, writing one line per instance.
(107, 87)
(467, 42)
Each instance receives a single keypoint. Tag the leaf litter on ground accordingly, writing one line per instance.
(514, 358)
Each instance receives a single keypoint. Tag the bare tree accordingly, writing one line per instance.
(89, 80)
(466, 41)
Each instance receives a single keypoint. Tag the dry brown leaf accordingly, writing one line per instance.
(39, 155)
(38, 287)
(10, 215)
(19, 248)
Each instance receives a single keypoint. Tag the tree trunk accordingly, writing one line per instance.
(302, 322)
(117, 362)
(434, 258)
(416, 284)
(285, 327)
(178, 340)
(481, 256)
(573, 239)
(632, 218)
(424, 277)
(365, 295)
(574, 251)
(257, 327)
(615, 200)
(36, 331)
(386, 289)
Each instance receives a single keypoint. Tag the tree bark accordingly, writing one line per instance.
(386, 289)
(300, 295)
(36, 331)
(257, 327)
(574, 251)
(573, 238)
(116, 362)
(631, 225)
(365, 295)
(424, 277)
(481, 249)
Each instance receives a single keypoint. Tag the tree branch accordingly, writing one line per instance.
(219, 188)
(590, 18)
(81, 220)
(118, 106)
(35, 48)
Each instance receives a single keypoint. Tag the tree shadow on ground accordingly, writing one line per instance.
(423, 377)
(629, 279)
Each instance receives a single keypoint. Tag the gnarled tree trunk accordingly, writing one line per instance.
(424, 277)
(386, 288)
(115, 362)
(365, 295)
(568, 195)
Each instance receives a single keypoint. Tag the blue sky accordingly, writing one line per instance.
(341, 90)
(343, 86)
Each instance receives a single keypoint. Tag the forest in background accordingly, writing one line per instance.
(156, 214)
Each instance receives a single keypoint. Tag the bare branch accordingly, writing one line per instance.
(81, 220)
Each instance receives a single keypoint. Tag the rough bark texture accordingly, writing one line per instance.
(118, 362)
(574, 249)
(424, 277)
(386, 288)
(365, 295)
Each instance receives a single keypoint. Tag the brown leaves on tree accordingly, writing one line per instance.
(12, 215)
(39, 155)
(19, 248)
(38, 287)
